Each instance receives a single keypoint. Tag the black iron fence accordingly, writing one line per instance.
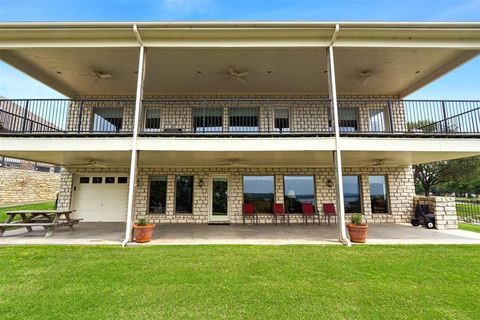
(415, 118)
(468, 211)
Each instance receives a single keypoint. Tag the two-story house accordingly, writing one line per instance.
(185, 122)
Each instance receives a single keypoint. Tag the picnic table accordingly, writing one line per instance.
(48, 219)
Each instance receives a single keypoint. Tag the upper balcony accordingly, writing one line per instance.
(240, 117)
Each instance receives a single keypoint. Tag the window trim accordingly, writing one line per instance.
(315, 199)
(175, 194)
(260, 175)
(149, 192)
(387, 193)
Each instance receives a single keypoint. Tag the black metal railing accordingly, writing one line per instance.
(468, 211)
(250, 117)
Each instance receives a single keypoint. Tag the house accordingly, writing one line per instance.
(184, 122)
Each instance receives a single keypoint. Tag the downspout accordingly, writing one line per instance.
(337, 154)
(132, 187)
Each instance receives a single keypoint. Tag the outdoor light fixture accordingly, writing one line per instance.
(200, 183)
(329, 183)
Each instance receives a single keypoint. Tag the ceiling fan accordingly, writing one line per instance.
(236, 75)
(100, 74)
(89, 163)
(233, 162)
(365, 75)
(378, 163)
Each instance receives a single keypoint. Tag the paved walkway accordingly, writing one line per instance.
(176, 234)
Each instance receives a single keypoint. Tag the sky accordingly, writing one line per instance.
(462, 83)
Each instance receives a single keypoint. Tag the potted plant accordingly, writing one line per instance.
(143, 231)
(357, 229)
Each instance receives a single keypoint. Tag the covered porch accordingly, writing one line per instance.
(101, 233)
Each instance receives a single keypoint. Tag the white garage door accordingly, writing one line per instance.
(100, 197)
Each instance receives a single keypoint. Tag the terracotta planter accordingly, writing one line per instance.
(358, 232)
(143, 233)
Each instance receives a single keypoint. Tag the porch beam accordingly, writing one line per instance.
(132, 187)
(337, 155)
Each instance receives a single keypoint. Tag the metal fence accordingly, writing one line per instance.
(468, 211)
(282, 116)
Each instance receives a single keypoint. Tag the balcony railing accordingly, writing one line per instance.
(240, 117)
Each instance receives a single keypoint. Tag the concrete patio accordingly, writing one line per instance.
(194, 234)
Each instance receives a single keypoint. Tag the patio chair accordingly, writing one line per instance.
(249, 212)
(329, 211)
(309, 212)
(279, 211)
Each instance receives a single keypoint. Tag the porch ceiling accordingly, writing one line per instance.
(286, 70)
(232, 159)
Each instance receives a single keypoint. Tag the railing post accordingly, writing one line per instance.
(204, 115)
(24, 126)
(445, 123)
(390, 115)
(80, 115)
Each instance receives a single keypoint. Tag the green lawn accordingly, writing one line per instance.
(36, 206)
(240, 282)
(469, 227)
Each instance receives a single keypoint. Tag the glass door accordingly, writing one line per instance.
(219, 199)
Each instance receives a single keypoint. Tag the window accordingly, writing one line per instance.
(207, 120)
(282, 120)
(122, 180)
(347, 119)
(377, 120)
(152, 120)
(260, 191)
(184, 194)
(157, 200)
(84, 179)
(298, 190)
(110, 180)
(378, 194)
(243, 120)
(107, 119)
(97, 180)
(351, 194)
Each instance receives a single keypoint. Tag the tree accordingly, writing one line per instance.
(430, 174)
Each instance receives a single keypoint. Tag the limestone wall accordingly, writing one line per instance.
(23, 186)
(444, 210)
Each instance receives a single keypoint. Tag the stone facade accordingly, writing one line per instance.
(400, 186)
(25, 186)
(444, 210)
(307, 113)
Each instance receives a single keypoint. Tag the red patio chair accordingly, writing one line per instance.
(329, 211)
(309, 212)
(249, 212)
(278, 211)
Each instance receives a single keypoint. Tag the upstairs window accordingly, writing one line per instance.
(243, 120)
(107, 119)
(152, 120)
(377, 120)
(282, 120)
(207, 120)
(347, 120)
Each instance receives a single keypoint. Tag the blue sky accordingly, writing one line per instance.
(463, 83)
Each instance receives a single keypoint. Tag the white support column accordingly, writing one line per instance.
(132, 187)
(337, 154)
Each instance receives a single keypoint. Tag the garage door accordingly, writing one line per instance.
(100, 197)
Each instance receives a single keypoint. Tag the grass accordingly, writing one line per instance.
(240, 282)
(37, 206)
(469, 227)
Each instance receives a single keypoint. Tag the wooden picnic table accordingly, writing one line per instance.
(48, 219)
